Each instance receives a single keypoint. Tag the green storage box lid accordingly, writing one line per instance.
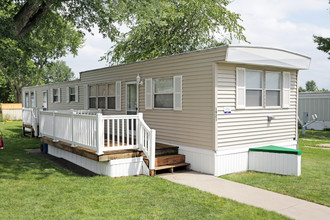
(276, 149)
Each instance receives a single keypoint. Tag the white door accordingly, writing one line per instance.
(131, 98)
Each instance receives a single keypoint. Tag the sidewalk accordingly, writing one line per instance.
(286, 205)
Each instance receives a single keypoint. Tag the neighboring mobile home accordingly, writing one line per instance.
(214, 104)
(315, 103)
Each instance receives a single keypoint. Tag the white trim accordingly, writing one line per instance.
(240, 75)
(86, 98)
(118, 96)
(76, 99)
(177, 93)
(59, 95)
(67, 94)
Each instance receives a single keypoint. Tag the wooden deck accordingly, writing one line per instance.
(161, 149)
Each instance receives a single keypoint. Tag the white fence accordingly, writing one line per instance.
(100, 132)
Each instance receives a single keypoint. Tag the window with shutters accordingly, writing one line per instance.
(163, 93)
(102, 96)
(55, 95)
(72, 94)
(257, 88)
(111, 96)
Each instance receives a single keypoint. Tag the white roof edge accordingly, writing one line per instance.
(266, 56)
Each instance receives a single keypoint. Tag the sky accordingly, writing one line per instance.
(284, 24)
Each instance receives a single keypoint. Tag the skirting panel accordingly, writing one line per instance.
(231, 162)
(112, 168)
(319, 125)
(200, 160)
(279, 163)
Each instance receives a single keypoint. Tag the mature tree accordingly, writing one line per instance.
(301, 89)
(6, 95)
(22, 58)
(323, 44)
(57, 72)
(166, 27)
(311, 86)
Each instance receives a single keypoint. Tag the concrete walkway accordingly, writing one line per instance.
(286, 205)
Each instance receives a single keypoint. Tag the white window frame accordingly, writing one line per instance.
(27, 99)
(33, 104)
(74, 94)
(279, 90)
(110, 96)
(55, 90)
(154, 93)
(99, 96)
(89, 96)
(255, 89)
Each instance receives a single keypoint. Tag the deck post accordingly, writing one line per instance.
(152, 149)
(72, 128)
(54, 127)
(138, 130)
(99, 134)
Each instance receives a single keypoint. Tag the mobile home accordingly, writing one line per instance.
(213, 104)
(315, 103)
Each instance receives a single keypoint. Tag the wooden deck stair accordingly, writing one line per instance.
(167, 158)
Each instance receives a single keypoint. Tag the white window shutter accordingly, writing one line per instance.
(86, 97)
(76, 99)
(177, 93)
(240, 87)
(148, 94)
(286, 90)
(59, 94)
(67, 94)
(51, 95)
(35, 98)
(118, 95)
(23, 99)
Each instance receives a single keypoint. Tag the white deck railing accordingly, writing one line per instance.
(30, 117)
(100, 132)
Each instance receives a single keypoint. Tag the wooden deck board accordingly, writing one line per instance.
(91, 154)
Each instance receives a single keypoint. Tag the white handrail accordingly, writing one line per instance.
(100, 132)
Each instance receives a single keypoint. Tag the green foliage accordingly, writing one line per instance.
(22, 58)
(56, 72)
(33, 187)
(162, 28)
(323, 44)
(311, 86)
(301, 89)
(312, 185)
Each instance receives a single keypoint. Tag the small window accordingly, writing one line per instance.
(33, 104)
(273, 88)
(55, 95)
(44, 99)
(26, 100)
(253, 88)
(163, 93)
(92, 96)
(72, 94)
(112, 96)
(101, 96)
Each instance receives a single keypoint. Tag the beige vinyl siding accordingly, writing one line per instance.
(194, 125)
(249, 127)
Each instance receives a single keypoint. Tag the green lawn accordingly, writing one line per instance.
(32, 187)
(313, 184)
